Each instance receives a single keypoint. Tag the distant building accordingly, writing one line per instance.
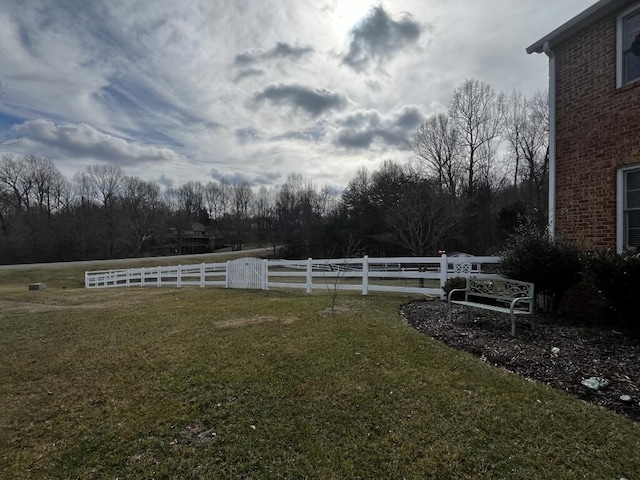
(594, 90)
(196, 238)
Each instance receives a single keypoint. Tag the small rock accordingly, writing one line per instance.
(625, 398)
(555, 351)
(595, 383)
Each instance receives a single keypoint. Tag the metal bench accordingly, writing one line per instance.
(505, 296)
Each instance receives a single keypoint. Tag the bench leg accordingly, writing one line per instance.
(533, 323)
(513, 325)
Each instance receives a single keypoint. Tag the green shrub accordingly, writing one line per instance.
(453, 283)
(531, 256)
(617, 278)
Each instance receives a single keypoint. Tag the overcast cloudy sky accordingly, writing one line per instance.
(252, 90)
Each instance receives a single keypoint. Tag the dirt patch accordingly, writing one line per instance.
(76, 299)
(338, 309)
(195, 434)
(28, 307)
(55, 304)
(561, 352)
(243, 322)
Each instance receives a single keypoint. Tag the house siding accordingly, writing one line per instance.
(597, 131)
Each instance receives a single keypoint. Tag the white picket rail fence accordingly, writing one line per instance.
(396, 274)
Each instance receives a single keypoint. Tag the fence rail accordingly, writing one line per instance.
(422, 275)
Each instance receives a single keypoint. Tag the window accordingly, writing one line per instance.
(628, 208)
(629, 47)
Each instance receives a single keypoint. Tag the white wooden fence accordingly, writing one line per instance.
(422, 275)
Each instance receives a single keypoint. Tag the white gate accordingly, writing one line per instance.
(247, 273)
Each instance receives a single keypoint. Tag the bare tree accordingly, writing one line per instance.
(515, 121)
(478, 115)
(107, 183)
(215, 200)
(14, 182)
(242, 198)
(141, 205)
(424, 216)
(82, 189)
(189, 201)
(239, 222)
(12, 194)
(537, 147)
(264, 209)
(527, 133)
(44, 181)
(436, 145)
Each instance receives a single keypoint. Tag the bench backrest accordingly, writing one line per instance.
(498, 288)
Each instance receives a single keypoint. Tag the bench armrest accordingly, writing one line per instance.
(453, 291)
(521, 299)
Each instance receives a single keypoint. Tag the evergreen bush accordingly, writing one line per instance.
(530, 255)
(617, 278)
(453, 283)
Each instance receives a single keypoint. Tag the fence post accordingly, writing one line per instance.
(226, 274)
(266, 274)
(309, 277)
(179, 277)
(443, 273)
(202, 275)
(159, 277)
(142, 283)
(365, 275)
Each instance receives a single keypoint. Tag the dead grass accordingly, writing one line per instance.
(213, 383)
(258, 319)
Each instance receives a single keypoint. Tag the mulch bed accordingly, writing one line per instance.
(580, 351)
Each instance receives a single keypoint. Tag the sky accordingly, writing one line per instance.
(175, 91)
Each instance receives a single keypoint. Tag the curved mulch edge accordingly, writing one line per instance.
(583, 351)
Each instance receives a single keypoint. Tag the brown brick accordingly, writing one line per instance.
(597, 130)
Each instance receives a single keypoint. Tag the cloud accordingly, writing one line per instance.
(282, 51)
(315, 134)
(252, 178)
(249, 72)
(314, 101)
(84, 141)
(246, 62)
(378, 36)
(155, 81)
(165, 181)
(360, 129)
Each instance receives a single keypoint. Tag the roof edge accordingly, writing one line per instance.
(588, 16)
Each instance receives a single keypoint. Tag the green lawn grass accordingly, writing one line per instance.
(214, 383)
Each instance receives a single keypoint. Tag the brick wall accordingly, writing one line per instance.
(598, 130)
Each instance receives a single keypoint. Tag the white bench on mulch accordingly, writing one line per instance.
(497, 294)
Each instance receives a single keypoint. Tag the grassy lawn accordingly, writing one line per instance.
(214, 383)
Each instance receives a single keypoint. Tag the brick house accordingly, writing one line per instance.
(594, 117)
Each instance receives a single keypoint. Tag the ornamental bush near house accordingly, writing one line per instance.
(453, 283)
(617, 278)
(532, 256)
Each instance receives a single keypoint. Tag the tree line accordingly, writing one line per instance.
(475, 169)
